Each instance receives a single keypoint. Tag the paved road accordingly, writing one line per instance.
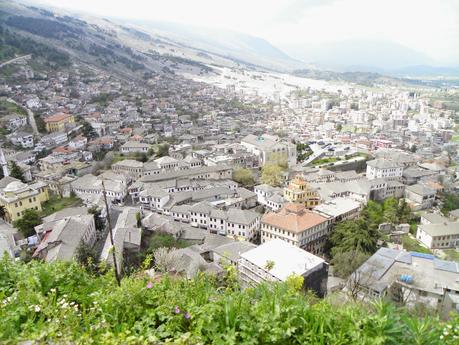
(15, 60)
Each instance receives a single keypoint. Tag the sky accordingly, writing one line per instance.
(430, 27)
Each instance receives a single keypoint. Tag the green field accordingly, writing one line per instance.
(412, 245)
(56, 203)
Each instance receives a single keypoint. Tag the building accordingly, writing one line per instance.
(126, 237)
(419, 197)
(129, 167)
(134, 147)
(17, 197)
(384, 168)
(61, 242)
(277, 260)
(58, 122)
(408, 277)
(339, 209)
(270, 149)
(268, 196)
(296, 225)
(22, 139)
(439, 235)
(299, 191)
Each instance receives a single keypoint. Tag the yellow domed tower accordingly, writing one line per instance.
(299, 191)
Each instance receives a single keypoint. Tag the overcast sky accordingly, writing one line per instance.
(428, 26)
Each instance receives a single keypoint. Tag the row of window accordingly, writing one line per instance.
(16, 204)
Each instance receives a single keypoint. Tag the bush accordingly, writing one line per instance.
(63, 303)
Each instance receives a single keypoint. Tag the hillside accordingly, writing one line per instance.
(62, 303)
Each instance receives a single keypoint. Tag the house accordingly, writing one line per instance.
(408, 277)
(296, 225)
(13, 122)
(17, 197)
(270, 149)
(64, 238)
(230, 253)
(271, 197)
(134, 147)
(299, 191)
(339, 209)
(126, 238)
(58, 122)
(277, 260)
(90, 187)
(22, 139)
(439, 235)
(129, 167)
(384, 168)
(54, 139)
(419, 197)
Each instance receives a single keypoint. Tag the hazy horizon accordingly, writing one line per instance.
(427, 28)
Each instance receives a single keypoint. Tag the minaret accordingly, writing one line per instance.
(4, 163)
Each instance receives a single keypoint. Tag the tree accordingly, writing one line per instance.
(244, 177)
(354, 235)
(2, 212)
(88, 131)
(390, 207)
(413, 148)
(86, 256)
(344, 263)
(339, 127)
(163, 150)
(16, 171)
(271, 174)
(26, 225)
(98, 220)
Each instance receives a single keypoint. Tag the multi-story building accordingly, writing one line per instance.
(22, 139)
(439, 235)
(270, 149)
(277, 260)
(384, 168)
(17, 197)
(129, 167)
(135, 147)
(299, 191)
(419, 197)
(58, 122)
(62, 241)
(296, 225)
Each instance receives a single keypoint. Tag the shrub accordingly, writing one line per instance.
(63, 303)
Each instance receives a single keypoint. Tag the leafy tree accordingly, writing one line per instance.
(450, 203)
(413, 148)
(88, 131)
(344, 263)
(98, 220)
(141, 157)
(27, 223)
(16, 171)
(339, 127)
(271, 174)
(2, 212)
(244, 177)
(390, 207)
(87, 257)
(163, 150)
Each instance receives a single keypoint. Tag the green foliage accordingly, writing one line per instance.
(7, 108)
(63, 303)
(88, 131)
(164, 240)
(344, 263)
(87, 257)
(412, 245)
(450, 203)
(271, 174)
(56, 203)
(26, 224)
(244, 177)
(163, 150)
(16, 171)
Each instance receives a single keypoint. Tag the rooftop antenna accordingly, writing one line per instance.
(117, 276)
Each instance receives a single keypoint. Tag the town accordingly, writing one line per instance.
(353, 188)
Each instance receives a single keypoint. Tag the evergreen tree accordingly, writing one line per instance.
(26, 225)
(16, 171)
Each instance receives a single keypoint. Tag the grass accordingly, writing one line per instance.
(7, 108)
(56, 203)
(61, 303)
(451, 254)
(412, 245)
(455, 138)
(325, 160)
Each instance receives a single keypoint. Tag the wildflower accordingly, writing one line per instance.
(187, 316)
(177, 310)
(441, 337)
(53, 290)
(149, 285)
(37, 308)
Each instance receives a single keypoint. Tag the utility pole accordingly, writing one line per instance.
(117, 276)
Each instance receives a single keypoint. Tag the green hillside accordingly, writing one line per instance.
(62, 303)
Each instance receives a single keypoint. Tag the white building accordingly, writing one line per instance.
(277, 260)
(439, 235)
(134, 147)
(384, 168)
